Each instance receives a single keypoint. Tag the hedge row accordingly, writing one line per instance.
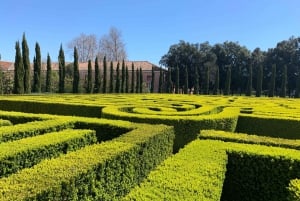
(5, 122)
(249, 139)
(20, 117)
(19, 131)
(27, 152)
(197, 172)
(294, 190)
(269, 126)
(32, 106)
(186, 127)
(105, 171)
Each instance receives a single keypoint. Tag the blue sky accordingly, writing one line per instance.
(148, 28)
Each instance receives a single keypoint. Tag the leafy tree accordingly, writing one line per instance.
(26, 64)
(169, 82)
(118, 78)
(228, 81)
(76, 72)
(127, 80)
(141, 81)
(111, 79)
(217, 82)
(196, 85)
(62, 70)
(161, 79)
(249, 83)
(97, 84)
(137, 86)
(132, 78)
(19, 71)
(48, 74)
(186, 81)
(177, 80)
(104, 75)
(259, 81)
(153, 80)
(297, 93)
(37, 64)
(206, 85)
(272, 81)
(284, 82)
(89, 86)
(123, 77)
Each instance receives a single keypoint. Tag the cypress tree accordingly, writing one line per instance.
(153, 80)
(75, 72)
(141, 81)
(196, 81)
(104, 75)
(26, 65)
(259, 81)
(283, 82)
(97, 77)
(186, 80)
(132, 78)
(127, 80)
(137, 86)
(297, 93)
(118, 78)
(169, 82)
(89, 86)
(206, 87)
(37, 69)
(111, 79)
(272, 81)
(217, 82)
(123, 77)
(160, 83)
(177, 80)
(228, 81)
(249, 82)
(18, 72)
(62, 70)
(48, 74)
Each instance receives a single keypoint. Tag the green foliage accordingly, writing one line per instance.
(153, 80)
(283, 82)
(89, 87)
(272, 81)
(141, 82)
(228, 81)
(49, 75)
(18, 72)
(127, 80)
(249, 82)
(137, 85)
(37, 65)
(76, 72)
(186, 81)
(5, 122)
(111, 79)
(26, 65)
(97, 83)
(294, 190)
(62, 70)
(118, 79)
(27, 152)
(217, 82)
(259, 81)
(132, 78)
(123, 77)
(104, 75)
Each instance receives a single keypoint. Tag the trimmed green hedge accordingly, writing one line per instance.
(105, 171)
(27, 152)
(19, 131)
(269, 126)
(196, 172)
(5, 122)
(294, 190)
(31, 106)
(249, 139)
(186, 127)
(20, 117)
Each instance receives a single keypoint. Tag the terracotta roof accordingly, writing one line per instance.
(6, 65)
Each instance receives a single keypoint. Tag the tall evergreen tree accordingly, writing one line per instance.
(62, 70)
(249, 82)
(127, 80)
(297, 93)
(26, 64)
(169, 83)
(97, 83)
(283, 82)
(259, 81)
(111, 79)
(196, 81)
(137, 85)
(177, 80)
(18, 72)
(37, 69)
(228, 81)
(118, 78)
(132, 78)
(217, 81)
(123, 77)
(186, 81)
(152, 80)
(272, 81)
(89, 86)
(104, 75)
(76, 72)
(48, 74)
(160, 81)
(206, 85)
(141, 81)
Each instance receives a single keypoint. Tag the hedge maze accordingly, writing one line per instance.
(149, 147)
